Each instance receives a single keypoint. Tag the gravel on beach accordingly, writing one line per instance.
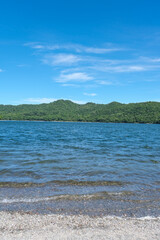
(27, 226)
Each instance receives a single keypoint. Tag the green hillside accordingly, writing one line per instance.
(64, 110)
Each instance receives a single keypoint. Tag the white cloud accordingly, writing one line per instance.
(77, 76)
(135, 68)
(72, 47)
(38, 46)
(61, 59)
(120, 68)
(81, 48)
(130, 68)
(75, 64)
(48, 100)
(90, 94)
(39, 100)
(53, 47)
(148, 59)
(157, 60)
(77, 101)
(102, 82)
(100, 50)
(34, 45)
(70, 85)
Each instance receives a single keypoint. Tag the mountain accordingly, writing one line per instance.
(65, 110)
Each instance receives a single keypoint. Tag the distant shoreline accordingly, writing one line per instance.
(72, 121)
(67, 111)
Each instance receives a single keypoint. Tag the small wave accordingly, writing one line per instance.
(23, 200)
(53, 198)
(145, 218)
(148, 218)
(65, 197)
(61, 182)
(89, 183)
(20, 185)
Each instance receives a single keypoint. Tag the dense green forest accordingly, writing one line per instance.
(65, 110)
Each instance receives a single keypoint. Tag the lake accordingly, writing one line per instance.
(88, 168)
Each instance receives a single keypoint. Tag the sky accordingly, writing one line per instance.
(80, 50)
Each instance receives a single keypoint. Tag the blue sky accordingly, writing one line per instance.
(85, 51)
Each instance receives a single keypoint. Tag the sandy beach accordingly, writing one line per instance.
(26, 226)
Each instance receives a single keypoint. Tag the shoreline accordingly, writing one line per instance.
(5, 120)
(26, 226)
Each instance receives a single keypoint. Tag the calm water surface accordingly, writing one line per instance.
(91, 168)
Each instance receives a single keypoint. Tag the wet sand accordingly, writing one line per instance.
(27, 226)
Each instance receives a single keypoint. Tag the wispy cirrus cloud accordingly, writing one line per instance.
(74, 77)
(100, 50)
(104, 82)
(70, 85)
(90, 94)
(38, 46)
(88, 49)
(126, 65)
(34, 45)
(61, 59)
(126, 68)
(39, 100)
(75, 64)
(155, 60)
(73, 47)
(149, 59)
(47, 100)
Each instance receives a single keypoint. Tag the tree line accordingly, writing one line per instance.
(65, 110)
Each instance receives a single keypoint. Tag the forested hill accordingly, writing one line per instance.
(65, 110)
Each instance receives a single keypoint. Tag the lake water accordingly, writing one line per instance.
(88, 168)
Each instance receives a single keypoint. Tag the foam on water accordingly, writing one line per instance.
(77, 197)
